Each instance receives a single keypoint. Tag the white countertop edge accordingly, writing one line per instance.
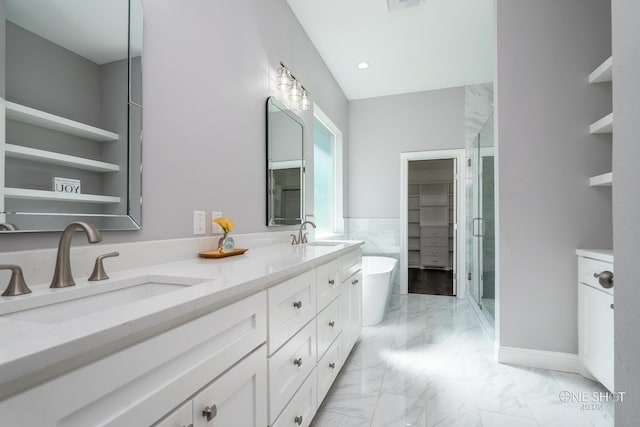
(599, 254)
(50, 350)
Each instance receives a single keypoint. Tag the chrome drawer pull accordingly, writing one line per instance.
(332, 282)
(297, 304)
(332, 323)
(298, 420)
(210, 412)
(605, 279)
(332, 365)
(298, 362)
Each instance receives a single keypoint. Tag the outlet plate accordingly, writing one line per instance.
(215, 228)
(199, 222)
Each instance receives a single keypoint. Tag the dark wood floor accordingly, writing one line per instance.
(431, 282)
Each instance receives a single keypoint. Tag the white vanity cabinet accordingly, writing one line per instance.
(234, 398)
(181, 417)
(306, 353)
(353, 310)
(595, 316)
(266, 359)
(139, 385)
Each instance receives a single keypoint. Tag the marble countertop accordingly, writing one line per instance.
(33, 352)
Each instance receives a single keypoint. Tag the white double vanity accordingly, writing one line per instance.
(249, 340)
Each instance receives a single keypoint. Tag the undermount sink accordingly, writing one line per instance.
(64, 304)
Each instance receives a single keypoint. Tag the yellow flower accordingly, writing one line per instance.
(225, 223)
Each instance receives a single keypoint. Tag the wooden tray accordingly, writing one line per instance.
(217, 254)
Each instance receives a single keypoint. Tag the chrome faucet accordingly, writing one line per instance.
(301, 238)
(62, 276)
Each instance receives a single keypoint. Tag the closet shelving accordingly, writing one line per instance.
(413, 217)
(602, 74)
(32, 116)
(429, 221)
(604, 180)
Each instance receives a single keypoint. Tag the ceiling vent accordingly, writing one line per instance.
(403, 4)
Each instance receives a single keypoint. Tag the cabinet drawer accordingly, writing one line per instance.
(413, 229)
(237, 397)
(291, 305)
(289, 367)
(328, 277)
(413, 215)
(435, 241)
(587, 267)
(426, 232)
(351, 263)
(181, 417)
(434, 261)
(431, 251)
(329, 324)
(329, 366)
(303, 406)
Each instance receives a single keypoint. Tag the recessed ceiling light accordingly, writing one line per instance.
(363, 65)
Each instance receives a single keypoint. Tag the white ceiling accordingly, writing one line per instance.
(94, 29)
(438, 44)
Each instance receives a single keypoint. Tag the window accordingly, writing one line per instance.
(327, 175)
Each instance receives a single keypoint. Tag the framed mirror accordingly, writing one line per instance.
(71, 104)
(285, 165)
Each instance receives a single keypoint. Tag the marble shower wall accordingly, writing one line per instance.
(478, 106)
(381, 237)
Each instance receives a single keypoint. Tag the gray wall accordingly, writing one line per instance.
(626, 205)
(208, 69)
(545, 51)
(382, 128)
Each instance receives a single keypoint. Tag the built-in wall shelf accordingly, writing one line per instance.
(25, 193)
(603, 72)
(50, 121)
(604, 125)
(27, 153)
(604, 180)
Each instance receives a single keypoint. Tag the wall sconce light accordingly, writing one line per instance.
(297, 94)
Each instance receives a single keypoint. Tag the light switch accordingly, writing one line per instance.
(199, 223)
(215, 228)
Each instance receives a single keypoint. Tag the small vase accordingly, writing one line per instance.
(226, 243)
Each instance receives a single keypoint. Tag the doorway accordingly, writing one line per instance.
(432, 205)
(430, 246)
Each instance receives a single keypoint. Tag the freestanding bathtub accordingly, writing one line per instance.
(376, 287)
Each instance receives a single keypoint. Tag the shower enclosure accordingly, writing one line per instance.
(481, 222)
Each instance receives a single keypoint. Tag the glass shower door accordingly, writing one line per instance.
(481, 223)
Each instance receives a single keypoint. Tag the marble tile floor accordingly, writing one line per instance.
(430, 363)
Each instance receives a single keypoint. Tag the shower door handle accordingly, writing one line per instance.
(480, 228)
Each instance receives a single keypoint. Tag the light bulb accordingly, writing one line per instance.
(305, 102)
(296, 92)
(283, 79)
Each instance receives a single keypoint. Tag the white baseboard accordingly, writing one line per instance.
(553, 360)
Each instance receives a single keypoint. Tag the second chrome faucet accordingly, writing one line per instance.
(62, 276)
(302, 236)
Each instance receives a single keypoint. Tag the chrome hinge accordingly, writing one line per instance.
(469, 276)
(469, 162)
